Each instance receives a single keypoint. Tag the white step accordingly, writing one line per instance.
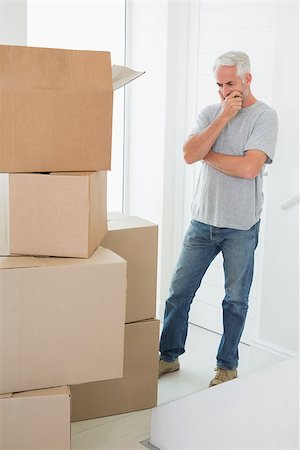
(256, 411)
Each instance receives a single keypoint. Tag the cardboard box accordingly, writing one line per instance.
(56, 109)
(138, 387)
(56, 214)
(36, 420)
(135, 239)
(62, 320)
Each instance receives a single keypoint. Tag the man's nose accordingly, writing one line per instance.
(225, 91)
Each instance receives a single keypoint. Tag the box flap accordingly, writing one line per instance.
(8, 395)
(120, 221)
(100, 256)
(51, 392)
(81, 174)
(18, 262)
(122, 75)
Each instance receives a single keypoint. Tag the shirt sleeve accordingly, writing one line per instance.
(203, 121)
(264, 134)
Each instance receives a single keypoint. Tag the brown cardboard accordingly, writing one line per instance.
(55, 109)
(61, 323)
(36, 420)
(59, 214)
(138, 387)
(135, 239)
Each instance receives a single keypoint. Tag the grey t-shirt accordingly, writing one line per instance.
(226, 201)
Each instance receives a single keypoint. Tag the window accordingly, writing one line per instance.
(87, 25)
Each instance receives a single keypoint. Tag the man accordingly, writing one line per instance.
(233, 139)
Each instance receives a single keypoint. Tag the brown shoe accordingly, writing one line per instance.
(223, 375)
(167, 367)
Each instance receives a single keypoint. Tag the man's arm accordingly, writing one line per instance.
(197, 147)
(247, 166)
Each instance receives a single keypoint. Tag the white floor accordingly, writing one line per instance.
(126, 431)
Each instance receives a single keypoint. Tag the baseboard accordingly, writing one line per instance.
(273, 348)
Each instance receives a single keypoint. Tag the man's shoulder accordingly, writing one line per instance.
(265, 112)
(262, 106)
(213, 106)
(212, 109)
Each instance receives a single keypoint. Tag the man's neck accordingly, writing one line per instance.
(249, 100)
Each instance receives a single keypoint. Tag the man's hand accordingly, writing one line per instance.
(231, 104)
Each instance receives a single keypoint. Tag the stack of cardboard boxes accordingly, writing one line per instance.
(63, 304)
(135, 240)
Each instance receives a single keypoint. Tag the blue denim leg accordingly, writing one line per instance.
(198, 251)
(238, 248)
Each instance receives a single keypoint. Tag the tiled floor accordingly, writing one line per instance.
(126, 431)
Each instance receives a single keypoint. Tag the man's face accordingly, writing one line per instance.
(228, 81)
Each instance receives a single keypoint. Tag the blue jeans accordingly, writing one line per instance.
(201, 245)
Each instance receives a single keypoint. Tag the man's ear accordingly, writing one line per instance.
(247, 79)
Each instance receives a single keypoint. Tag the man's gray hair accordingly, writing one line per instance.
(233, 58)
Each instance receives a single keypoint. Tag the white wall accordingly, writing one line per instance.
(279, 315)
(13, 22)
